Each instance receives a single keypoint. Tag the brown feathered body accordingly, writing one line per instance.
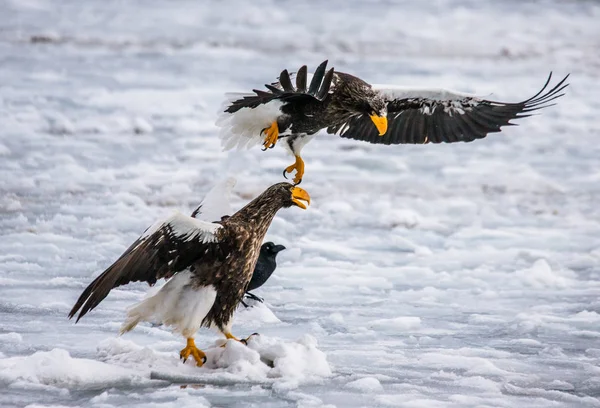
(245, 232)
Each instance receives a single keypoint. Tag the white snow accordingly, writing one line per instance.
(56, 368)
(367, 384)
(456, 275)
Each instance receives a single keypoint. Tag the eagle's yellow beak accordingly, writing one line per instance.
(298, 196)
(380, 123)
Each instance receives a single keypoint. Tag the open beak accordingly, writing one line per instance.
(278, 248)
(299, 196)
(380, 123)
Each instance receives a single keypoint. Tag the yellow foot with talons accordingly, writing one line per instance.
(192, 350)
(243, 341)
(271, 135)
(299, 167)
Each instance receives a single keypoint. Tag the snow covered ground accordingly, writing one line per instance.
(463, 275)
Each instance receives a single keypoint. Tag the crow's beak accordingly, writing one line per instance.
(278, 248)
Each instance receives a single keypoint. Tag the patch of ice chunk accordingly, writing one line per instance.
(141, 125)
(367, 384)
(541, 275)
(11, 337)
(397, 323)
(300, 359)
(58, 369)
(256, 314)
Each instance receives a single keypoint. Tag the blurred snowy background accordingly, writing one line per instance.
(462, 275)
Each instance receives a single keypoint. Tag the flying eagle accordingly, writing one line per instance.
(209, 265)
(299, 105)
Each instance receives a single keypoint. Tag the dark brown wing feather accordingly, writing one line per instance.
(423, 120)
(150, 258)
(285, 91)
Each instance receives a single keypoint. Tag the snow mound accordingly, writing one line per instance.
(367, 384)
(397, 323)
(263, 360)
(255, 314)
(11, 337)
(57, 368)
(541, 276)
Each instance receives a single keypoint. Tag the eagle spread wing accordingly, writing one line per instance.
(285, 91)
(244, 117)
(437, 115)
(164, 249)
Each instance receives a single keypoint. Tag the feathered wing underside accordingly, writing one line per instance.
(244, 116)
(164, 249)
(437, 116)
(217, 202)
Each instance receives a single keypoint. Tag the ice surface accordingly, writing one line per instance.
(463, 275)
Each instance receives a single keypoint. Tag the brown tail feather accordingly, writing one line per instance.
(95, 293)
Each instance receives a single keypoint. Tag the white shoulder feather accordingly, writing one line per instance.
(395, 92)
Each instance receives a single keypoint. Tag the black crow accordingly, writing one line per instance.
(265, 266)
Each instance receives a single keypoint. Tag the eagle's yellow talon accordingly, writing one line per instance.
(271, 135)
(191, 350)
(299, 167)
(243, 341)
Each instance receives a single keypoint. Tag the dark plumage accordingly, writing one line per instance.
(350, 107)
(210, 265)
(265, 266)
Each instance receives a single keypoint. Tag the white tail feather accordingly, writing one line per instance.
(177, 304)
(243, 128)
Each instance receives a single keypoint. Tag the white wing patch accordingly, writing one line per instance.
(452, 102)
(217, 202)
(214, 206)
(186, 228)
(182, 227)
(391, 92)
(242, 129)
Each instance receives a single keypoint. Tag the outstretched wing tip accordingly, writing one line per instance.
(153, 256)
(432, 116)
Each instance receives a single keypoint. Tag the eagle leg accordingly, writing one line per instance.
(192, 350)
(230, 336)
(299, 167)
(271, 135)
(243, 341)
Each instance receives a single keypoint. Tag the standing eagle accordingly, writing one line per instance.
(209, 265)
(350, 107)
